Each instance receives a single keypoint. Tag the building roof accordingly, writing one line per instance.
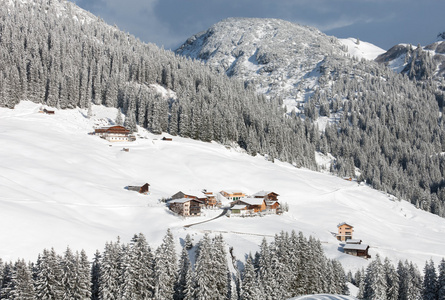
(183, 200)
(353, 241)
(112, 129)
(252, 201)
(263, 193)
(232, 192)
(196, 193)
(344, 223)
(356, 247)
(238, 206)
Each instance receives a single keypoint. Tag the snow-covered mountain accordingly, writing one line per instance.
(61, 186)
(419, 62)
(360, 49)
(279, 58)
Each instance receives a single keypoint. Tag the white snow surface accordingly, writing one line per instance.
(62, 187)
(362, 49)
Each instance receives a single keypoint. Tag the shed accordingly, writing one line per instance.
(360, 250)
(144, 189)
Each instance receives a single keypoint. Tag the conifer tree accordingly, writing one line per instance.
(182, 288)
(22, 287)
(375, 281)
(204, 282)
(111, 271)
(49, 276)
(441, 281)
(188, 244)
(429, 290)
(165, 268)
(249, 285)
(95, 276)
(392, 280)
(138, 270)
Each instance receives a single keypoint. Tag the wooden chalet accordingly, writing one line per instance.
(270, 198)
(253, 205)
(180, 195)
(344, 231)
(144, 189)
(360, 250)
(233, 195)
(268, 195)
(186, 206)
(207, 198)
(114, 134)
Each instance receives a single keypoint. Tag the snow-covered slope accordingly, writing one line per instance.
(361, 49)
(61, 186)
(427, 62)
(278, 57)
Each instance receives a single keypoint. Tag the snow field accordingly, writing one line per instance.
(61, 186)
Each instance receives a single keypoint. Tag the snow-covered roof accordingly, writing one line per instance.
(233, 191)
(252, 201)
(353, 241)
(183, 200)
(238, 206)
(344, 223)
(262, 194)
(356, 247)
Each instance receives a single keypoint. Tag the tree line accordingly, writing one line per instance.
(290, 265)
(384, 281)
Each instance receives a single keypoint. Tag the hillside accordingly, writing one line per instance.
(277, 57)
(378, 125)
(61, 186)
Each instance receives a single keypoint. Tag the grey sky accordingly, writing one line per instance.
(384, 23)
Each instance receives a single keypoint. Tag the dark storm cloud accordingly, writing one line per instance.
(382, 22)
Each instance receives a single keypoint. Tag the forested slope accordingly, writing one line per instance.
(380, 122)
(55, 53)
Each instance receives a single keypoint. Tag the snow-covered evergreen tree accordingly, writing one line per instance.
(49, 276)
(22, 285)
(430, 288)
(392, 280)
(188, 244)
(111, 271)
(205, 285)
(249, 283)
(375, 281)
(95, 276)
(183, 289)
(138, 270)
(165, 268)
(441, 281)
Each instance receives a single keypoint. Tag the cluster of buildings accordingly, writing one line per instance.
(190, 204)
(261, 202)
(351, 246)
